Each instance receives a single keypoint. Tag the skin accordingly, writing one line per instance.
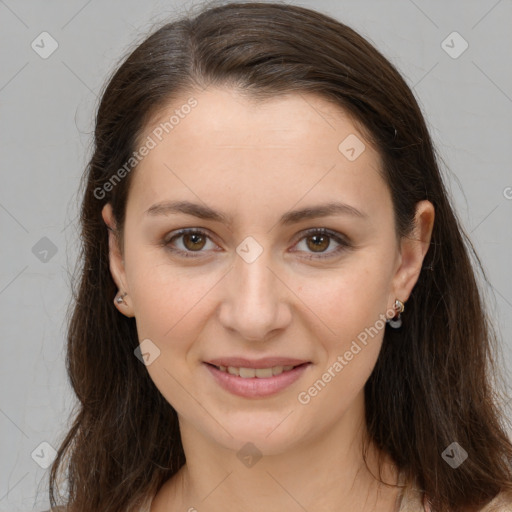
(255, 162)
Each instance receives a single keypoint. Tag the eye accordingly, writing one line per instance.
(193, 240)
(318, 240)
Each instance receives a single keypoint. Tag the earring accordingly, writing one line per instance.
(120, 298)
(396, 321)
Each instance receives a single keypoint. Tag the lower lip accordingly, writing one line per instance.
(255, 387)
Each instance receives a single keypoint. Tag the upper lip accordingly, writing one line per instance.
(267, 362)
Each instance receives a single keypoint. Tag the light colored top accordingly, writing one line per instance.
(412, 499)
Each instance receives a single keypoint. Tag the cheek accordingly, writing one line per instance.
(346, 301)
(356, 317)
(167, 299)
(170, 308)
(351, 304)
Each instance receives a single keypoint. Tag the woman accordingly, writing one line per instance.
(277, 309)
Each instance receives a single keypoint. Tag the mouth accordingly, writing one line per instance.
(259, 380)
(258, 373)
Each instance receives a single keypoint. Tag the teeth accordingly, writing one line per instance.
(277, 370)
(261, 373)
(247, 373)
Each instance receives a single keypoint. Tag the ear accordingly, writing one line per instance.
(116, 261)
(412, 252)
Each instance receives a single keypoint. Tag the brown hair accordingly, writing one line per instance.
(431, 385)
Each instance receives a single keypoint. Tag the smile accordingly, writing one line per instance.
(255, 382)
(260, 373)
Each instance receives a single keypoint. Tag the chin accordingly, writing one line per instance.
(271, 433)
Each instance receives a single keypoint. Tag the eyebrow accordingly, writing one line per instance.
(205, 212)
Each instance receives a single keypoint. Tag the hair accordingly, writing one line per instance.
(431, 384)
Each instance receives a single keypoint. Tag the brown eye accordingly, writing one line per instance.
(194, 241)
(319, 242)
(316, 241)
(189, 242)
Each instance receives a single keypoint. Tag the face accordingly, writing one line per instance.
(263, 307)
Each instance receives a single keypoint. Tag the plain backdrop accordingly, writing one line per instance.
(47, 108)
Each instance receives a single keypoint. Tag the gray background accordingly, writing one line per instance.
(47, 111)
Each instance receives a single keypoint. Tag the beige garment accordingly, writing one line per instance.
(413, 500)
(410, 500)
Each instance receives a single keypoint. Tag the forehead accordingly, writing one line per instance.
(289, 145)
(231, 116)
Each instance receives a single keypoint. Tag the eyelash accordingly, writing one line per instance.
(344, 244)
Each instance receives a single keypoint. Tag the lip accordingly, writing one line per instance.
(256, 387)
(267, 362)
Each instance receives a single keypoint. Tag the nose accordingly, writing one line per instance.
(255, 299)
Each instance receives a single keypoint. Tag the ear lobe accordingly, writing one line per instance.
(413, 250)
(116, 261)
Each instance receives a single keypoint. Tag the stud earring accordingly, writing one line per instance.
(120, 298)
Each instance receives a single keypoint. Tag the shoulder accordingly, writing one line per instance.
(501, 503)
(415, 500)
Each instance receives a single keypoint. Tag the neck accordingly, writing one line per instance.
(324, 473)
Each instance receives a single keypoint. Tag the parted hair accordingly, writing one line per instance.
(434, 381)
